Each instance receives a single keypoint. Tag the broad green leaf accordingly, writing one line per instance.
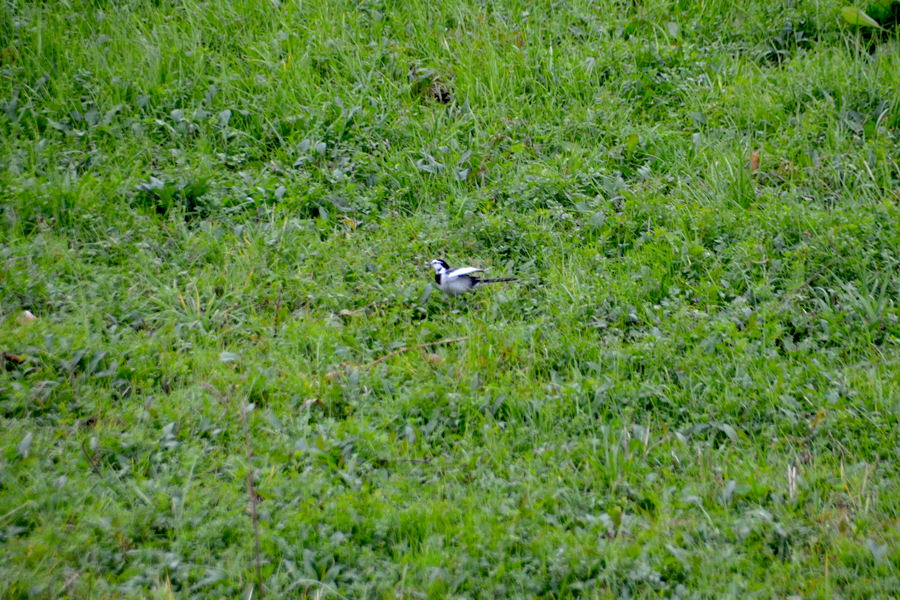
(426, 293)
(91, 116)
(633, 27)
(214, 576)
(855, 16)
(615, 513)
(460, 174)
(111, 114)
(10, 108)
(228, 357)
(95, 362)
(210, 94)
(25, 444)
(728, 430)
(632, 142)
(879, 551)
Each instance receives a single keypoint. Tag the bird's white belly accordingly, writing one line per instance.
(457, 287)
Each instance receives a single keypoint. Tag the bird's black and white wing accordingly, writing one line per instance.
(461, 272)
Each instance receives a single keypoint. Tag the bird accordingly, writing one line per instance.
(456, 282)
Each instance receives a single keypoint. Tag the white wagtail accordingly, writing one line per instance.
(456, 282)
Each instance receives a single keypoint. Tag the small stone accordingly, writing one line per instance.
(26, 317)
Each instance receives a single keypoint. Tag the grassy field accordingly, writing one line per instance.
(221, 214)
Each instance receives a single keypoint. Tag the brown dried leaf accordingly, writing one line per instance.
(339, 372)
(434, 359)
(12, 358)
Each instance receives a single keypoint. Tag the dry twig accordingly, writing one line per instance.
(90, 459)
(417, 347)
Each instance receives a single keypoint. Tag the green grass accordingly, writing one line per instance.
(228, 208)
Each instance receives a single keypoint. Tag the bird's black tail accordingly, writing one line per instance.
(480, 281)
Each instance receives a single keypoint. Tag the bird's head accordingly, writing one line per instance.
(439, 265)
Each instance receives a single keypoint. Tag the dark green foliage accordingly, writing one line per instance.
(161, 197)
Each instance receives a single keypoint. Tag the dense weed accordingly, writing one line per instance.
(220, 211)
